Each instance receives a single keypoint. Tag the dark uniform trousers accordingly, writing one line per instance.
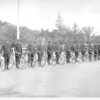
(18, 54)
(40, 54)
(57, 56)
(17, 57)
(6, 54)
(90, 55)
(57, 52)
(31, 49)
(83, 54)
(95, 54)
(30, 57)
(49, 53)
(67, 56)
(49, 56)
(6, 59)
(98, 54)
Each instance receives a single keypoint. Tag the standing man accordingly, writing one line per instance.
(40, 53)
(49, 52)
(67, 50)
(98, 51)
(18, 53)
(41, 48)
(57, 51)
(90, 52)
(83, 51)
(95, 49)
(31, 52)
(6, 50)
(77, 50)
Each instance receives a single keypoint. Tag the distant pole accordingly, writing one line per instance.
(18, 32)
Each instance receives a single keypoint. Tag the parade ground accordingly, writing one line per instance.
(68, 80)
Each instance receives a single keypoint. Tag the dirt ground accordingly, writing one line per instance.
(71, 80)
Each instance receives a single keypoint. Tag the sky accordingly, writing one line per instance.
(37, 14)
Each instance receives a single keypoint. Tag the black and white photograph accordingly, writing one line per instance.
(49, 48)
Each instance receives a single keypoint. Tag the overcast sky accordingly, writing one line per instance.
(37, 14)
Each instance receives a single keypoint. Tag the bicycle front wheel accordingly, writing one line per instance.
(2, 63)
(23, 63)
(12, 62)
(79, 58)
(62, 58)
(43, 60)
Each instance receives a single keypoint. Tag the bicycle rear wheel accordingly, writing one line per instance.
(62, 58)
(35, 60)
(53, 59)
(12, 62)
(43, 60)
(79, 58)
(86, 57)
(72, 58)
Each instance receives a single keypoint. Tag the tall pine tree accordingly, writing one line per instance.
(59, 22)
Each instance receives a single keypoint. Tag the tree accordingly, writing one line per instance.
(59, 22)
(88, 32)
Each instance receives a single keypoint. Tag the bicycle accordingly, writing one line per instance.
(52, 60)
(43, 59)
(92, 56)
(72, 57)
(12, 61)
(2, 62)
(23, 60)
(62, 58)
(86, 56)
(79, 58)
(35, 60)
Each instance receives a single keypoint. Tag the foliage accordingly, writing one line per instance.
(63, 33)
